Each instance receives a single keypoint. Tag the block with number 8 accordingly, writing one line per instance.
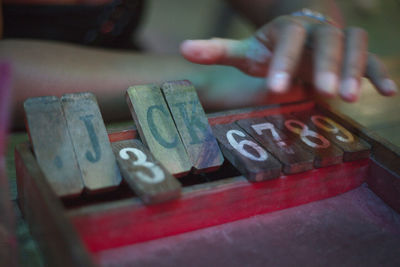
(353, 147)
(325, 153)
(292, 156)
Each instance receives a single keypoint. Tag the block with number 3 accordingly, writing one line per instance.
(144, 174)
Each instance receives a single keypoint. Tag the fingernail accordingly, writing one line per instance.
(327, 83)
(389, 87)
(278, 82)
(201, 51)
(349, 89)
(186, 44)
(191, 47)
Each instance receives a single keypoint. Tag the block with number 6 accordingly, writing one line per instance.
(245, 154)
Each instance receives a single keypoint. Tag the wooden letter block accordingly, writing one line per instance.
(192, 124)
(293, 157)
(52, 145)
(354, 147)
(252, 160)
(157, 129)
(144, 174)
(90, 140)
(325, 153)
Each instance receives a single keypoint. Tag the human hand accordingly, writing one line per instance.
(332, 59)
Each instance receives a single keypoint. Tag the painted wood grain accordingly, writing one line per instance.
(90, 141)
(144, 174)
(253, 161)
(293, 157)
(192, 124)
(157, 129)
(52, 144)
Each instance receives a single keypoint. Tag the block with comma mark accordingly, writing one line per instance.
(144, 174)
(52, 145)
(90, 141)
(293, 157)
(245, 154)
(192, 124)
(157, 129)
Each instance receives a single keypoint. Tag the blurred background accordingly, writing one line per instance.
(161, 32)
(216, 19)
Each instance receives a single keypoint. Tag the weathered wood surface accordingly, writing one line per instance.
(293, 157)
(192, 124)
(8, 241)
(144, 174)
(118, 224)
(325, 153)
(245, 154)
(383, 178)
(383, 151)
(157, 129)
(337, 180)
(43, 210)
(90, 141)
(353, 146)
(52, 144)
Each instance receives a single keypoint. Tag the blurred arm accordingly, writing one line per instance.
(49, 68)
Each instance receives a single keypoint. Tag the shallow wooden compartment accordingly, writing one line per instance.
(73, 232)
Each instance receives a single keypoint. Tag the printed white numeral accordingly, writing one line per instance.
(305, 133)
(322, 122)
(262, 154)
(141, 160)
(269, 126)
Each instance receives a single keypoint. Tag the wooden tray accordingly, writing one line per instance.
(74, 232)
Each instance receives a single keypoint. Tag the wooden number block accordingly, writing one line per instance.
(325, 153)
(354, 147)
(52, 145)
(157, 129)
(192, 124)
(144, 174)
(252, 160)
(90, 140)
(293, 157)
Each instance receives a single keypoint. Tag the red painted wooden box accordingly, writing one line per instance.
(81, 231)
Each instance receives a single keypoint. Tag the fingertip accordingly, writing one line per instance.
(388, 87)
(201, 51)
(278, 81)
(185, 46)
(327, 83)
(350, 90)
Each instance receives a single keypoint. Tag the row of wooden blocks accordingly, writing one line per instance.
(72, 147)
(71, 144)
